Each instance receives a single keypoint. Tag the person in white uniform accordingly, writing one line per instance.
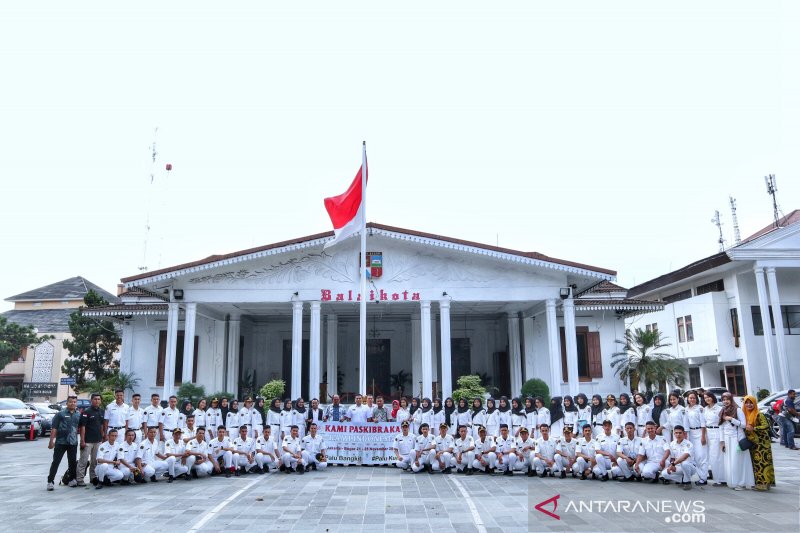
(266, 451)
(174, 455)
(136, 418)
(570, 416)
(116, 413)
(197, 460)
(243, 458)
(441, 459)
(716, 468)
(478, 417)
(627, 412)
(108, 462)
(485, 456)
(463, 416)
(544, 461)
(681, 465)
(314, 449)
(404, 447)
(146, 461)
(220, 448)
(606, 451)
(464, 451)
(504, 414)
(566, 453)
(542, 414)
(676, 414)
(168, 420)
(213, 419)
(506, 448)
(585, 451)
(492, 419)
(232, 422)
(200, 420)
(584, 414)
(627, 451)
(643, 413)
(611, 412)
(274, 421)
(737, 463)
(652, 455)
(358, 413)
(525, 450)
(423, 446)
(293, 452)
(696, 429)
(127, 457)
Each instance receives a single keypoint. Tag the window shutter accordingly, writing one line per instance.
(564, 374)
(162, 357)
(595, 359)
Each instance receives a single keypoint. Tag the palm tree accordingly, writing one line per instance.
(642, 362)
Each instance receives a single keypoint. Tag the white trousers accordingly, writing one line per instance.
(155, 468)
(490, 459)
(446, 458)
(621, 468)
(240, 459)
(406, 460)
(290, 461)
(202, 468)
(467, 458)
(227, 457)
(175, 467)
(104, 469)
(540, 466)
(649, 469)
(683, 472)
(310, 459)
(602, 466)
(266, 461)
(699, 453)
(581, 465)
(563, 463)
(424, 459)
(508, 461)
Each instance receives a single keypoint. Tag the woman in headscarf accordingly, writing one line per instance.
(200, 416)
(696, 433)
(584, 413)
(644, 413)
(626, 412)
(518, 417)
(287, 418)
(597, 415)
(185, 411)
(711, 412)
(273, 419)
(437, 417)
(464, 417)
(393, 412)
(530, 417)
(403, 412)
(757, 431)
(300, 416)
(492, 419)
(503, 414)
(570, 414)
(412, 410)
(224, 406)
(737, 462)
(542, 414)
(450, 417)
(423, 415)
(478, 417)
(556, 416)
(659, 414)
(232, 419)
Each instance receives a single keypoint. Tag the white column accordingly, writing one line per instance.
(173, 313)
(554, 348)
(514, 354)
(126, 348)
(314, 358)
(572, 344)
(332, 356)
(763, 304)
(447, 359)
(297, 349)
(188, 342)
(416, 354)
(427, 359)
(527, 343)
(234, 332)
(780, 341)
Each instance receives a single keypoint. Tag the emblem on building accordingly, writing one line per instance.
(374, 264)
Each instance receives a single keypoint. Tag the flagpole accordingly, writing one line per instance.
(362, 348)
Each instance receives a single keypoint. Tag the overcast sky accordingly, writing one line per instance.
(600, 132)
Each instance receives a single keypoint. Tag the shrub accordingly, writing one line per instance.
(107, 397)
(761, 394)
(469, 387)
(536, 387)
(191, 392)
(273, 389)
(220, 396)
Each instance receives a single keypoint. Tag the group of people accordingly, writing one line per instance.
(630, 438)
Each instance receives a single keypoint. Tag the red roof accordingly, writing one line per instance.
(218, 257)
(787, 220)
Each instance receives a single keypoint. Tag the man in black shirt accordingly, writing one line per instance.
(91, 430)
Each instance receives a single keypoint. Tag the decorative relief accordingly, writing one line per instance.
(404, 268)
(295, 270)
(42, 362)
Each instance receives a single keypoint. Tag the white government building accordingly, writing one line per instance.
(718, 308)
(439, 308)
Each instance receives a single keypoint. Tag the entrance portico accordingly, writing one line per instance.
(438, 308)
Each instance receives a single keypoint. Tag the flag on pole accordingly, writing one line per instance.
(346, 211)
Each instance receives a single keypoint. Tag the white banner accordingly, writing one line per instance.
(365, 444)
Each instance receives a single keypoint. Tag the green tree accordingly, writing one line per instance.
(469, 387)
(93, 345)
(641, 362)
(13, 338)
(191, 392)
(273, 389)
(536, 387)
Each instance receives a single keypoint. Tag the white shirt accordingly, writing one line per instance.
(199, 418)
(215, 445)
(567, 449)
(232, 420)
(359, 413)
(629, 447)
(676, 416)
(653, 449)
(116, 415)
(245, 416)
(135, 417)
(607, 443)
(147, 451)
(108, 451)
(243, 445)
(545, 448)
(266, 445)
(172, 447)
(484, 446)
(294, 445)
(153, 415)
(127, 452)
(424, 443)
(313, 445)
(404, 443)
(711, 416)
(196, 446)
(213, 418)
(506, 445)
(169, 417)
(676, 450)
(586, 447)
(444, 444)
(188, 434)
(527, 445)
(695, 418)
(643, 415)
(462, 445)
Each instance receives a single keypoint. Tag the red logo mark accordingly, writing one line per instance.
(554, 501)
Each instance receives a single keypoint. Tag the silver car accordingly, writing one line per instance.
(16, 419)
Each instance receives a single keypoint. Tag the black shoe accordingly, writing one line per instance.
(700, 483)
(530, 473)
(624, 479)
(153, 479)
(227, 473)
(710, 475)
(288, 469)
(583, 476)
(543, 474)
(604, 478)
(170, 479)
(124, 482)
(508, 472)
(106, 482)
(448, 470)
(94, 481)
(300, 469)
(314, 467)
(187, 477)
(238, 472)
(282, 468)
(469, 471)
(194, 474)
(720, 484)
(563, 474)
(655, 480)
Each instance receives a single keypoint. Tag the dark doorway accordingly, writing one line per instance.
(379, 367)
(502, 374)
(287, 368)
(461, 359)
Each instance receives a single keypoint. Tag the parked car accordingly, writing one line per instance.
(16, 419)
(770, 406)
(83, 403)
(716, 391)
(47, 414)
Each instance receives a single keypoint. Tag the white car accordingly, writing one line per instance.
(16, 419)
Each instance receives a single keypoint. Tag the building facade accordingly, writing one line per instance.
(717, 310)
(438, 308)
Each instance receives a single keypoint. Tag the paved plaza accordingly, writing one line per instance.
(373, 499)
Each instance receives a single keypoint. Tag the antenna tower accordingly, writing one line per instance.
(737, 237)
(772, 188)
(718, 224)
(148, 195)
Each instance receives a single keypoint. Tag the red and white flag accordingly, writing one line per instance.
(346, 211)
